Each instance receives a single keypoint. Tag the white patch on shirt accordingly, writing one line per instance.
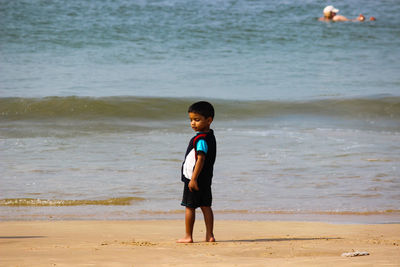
(188, 166)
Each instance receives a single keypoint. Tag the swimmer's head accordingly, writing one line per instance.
(372, 18)
(361, 17)
(330, 11)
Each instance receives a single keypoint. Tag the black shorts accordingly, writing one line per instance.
(195, 199)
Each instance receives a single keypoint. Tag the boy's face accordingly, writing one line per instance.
(199, 123)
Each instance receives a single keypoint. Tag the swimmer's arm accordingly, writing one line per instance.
(201, 157)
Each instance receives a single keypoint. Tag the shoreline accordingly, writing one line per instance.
(153, 242)
(40, 214)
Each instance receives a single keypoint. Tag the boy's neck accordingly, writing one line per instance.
(205, 131)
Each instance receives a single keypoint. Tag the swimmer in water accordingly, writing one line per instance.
(330, 14)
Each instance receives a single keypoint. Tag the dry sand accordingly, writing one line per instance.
(152, 243)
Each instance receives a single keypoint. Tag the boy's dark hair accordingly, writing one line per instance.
(203, 108)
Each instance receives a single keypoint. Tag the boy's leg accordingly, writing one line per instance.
(209, 221)
(190, 216)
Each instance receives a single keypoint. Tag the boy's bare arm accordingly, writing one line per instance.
(201, 157)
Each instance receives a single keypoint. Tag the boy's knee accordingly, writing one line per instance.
(189, 209)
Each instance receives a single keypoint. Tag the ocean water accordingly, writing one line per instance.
(94, 95)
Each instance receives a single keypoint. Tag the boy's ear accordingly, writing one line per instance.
(209, 120)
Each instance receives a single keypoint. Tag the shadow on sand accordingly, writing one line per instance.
(280, 239)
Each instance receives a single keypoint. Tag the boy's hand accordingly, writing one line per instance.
(193, 186)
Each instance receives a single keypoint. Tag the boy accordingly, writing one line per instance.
(197, 170)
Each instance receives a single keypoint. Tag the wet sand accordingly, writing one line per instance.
(153, 243)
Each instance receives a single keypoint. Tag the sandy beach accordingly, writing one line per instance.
(239, 243)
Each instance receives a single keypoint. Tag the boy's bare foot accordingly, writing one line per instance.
(210, 239)
(185, 240)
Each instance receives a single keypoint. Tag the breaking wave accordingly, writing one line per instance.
(136, 108)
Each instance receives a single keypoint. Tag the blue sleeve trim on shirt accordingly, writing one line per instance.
(202, 146)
